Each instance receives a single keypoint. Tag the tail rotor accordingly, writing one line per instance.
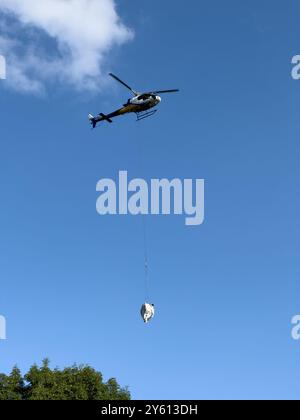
(92, 120)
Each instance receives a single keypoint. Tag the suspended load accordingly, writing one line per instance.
(147, 312)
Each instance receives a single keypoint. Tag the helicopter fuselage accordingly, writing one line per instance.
(138, 104)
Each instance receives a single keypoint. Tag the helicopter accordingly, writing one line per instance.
(141, 104)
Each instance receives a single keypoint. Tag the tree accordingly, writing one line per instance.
(72, 383)
(11, 386)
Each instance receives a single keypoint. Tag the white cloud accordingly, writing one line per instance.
(58, 40)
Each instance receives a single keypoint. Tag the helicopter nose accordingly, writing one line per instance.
(158, 98)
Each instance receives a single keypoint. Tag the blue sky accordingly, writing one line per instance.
(225, 292)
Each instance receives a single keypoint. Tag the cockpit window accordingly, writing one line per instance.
(144, 97)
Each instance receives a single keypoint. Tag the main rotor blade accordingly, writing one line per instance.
(166, 91)
(123, 83)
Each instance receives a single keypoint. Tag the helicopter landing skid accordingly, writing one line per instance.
(145, 114)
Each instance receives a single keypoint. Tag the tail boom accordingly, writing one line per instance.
(101, 117)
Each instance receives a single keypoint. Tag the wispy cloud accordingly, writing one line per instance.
(64, 41)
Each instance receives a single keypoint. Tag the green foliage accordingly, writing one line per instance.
(74, 383)
(11, 386)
